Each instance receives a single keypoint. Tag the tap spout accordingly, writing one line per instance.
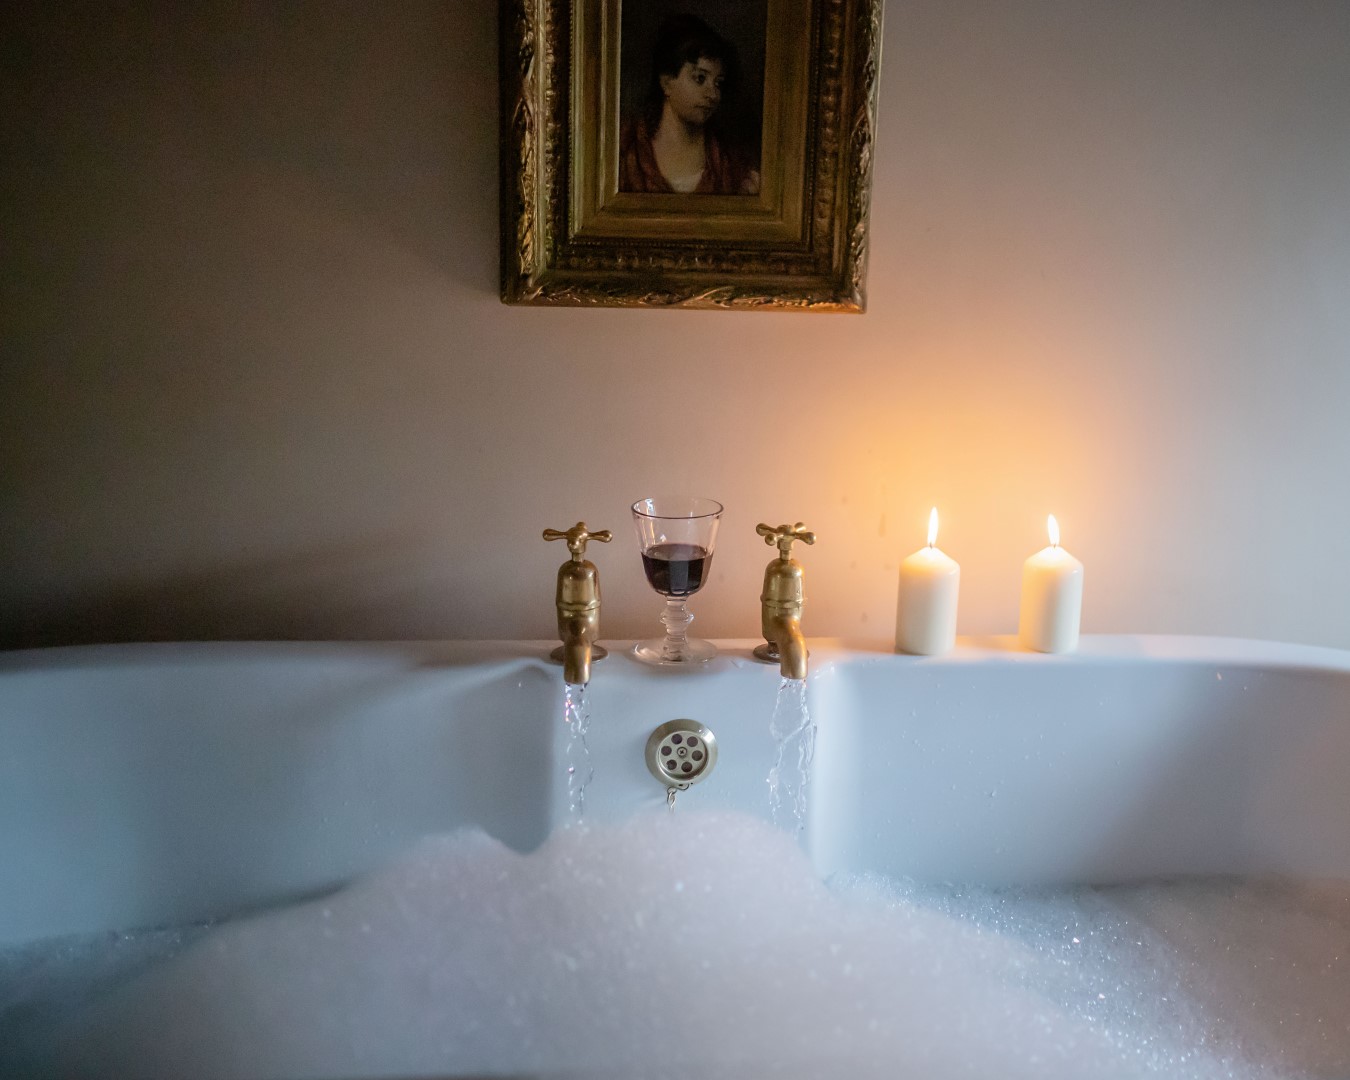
(781, 601)
(784, 632)
(578, 604)
(578, 632)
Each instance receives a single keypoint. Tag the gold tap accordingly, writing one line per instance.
(780, 618)
(578, 601)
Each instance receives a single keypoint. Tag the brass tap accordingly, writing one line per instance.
(780, 618)
(578, 601)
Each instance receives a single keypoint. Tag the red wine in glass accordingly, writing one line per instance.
(676, 534)
(676, 570)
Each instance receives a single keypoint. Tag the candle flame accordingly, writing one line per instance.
(932, 527)
(1053, 526)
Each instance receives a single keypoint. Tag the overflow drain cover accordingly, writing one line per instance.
(681, 752)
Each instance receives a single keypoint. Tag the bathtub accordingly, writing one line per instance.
(162, 784)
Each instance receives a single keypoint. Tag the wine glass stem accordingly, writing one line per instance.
(677, 619)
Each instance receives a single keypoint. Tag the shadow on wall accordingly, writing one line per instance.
(214, 211)
(384, 113)
(353, 592)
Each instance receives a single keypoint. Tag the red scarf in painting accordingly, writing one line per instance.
(724, 173)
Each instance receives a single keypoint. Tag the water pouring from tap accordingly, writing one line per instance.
(781, 603)
(795, 735)
(580, 771)
(578, 604)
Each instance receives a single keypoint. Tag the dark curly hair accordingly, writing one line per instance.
(687, 39)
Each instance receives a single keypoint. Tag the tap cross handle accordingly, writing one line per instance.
(785, 536)
(577, 537)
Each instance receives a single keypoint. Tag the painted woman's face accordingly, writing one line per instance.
(696, 91)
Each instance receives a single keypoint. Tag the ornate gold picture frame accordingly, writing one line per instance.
(771, 211)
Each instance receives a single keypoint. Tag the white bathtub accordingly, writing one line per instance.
(151, 785)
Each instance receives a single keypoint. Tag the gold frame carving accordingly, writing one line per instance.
(570, 237)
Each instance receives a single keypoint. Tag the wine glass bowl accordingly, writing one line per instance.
(676, 535)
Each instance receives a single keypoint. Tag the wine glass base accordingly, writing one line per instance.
(693, 651)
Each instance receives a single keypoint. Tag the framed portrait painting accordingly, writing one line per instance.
(695, 153)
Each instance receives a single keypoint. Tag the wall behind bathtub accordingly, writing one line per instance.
(256, 381)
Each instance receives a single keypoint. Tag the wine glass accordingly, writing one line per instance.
(676, 534)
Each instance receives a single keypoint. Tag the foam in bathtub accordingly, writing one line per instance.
(685, 945)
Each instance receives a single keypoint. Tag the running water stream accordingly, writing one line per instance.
(795, 735)
(577, 717)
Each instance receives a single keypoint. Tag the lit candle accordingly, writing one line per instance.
(1052, 598)
(925, 613)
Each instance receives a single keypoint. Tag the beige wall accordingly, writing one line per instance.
(256, 381)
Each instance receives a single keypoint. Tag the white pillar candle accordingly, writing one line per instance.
(1052, 598)
(925, 612)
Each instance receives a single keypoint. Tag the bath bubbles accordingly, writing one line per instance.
(702, 945)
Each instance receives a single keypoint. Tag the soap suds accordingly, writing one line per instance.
(704, 945)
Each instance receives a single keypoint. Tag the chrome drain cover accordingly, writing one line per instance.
(681, 753)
